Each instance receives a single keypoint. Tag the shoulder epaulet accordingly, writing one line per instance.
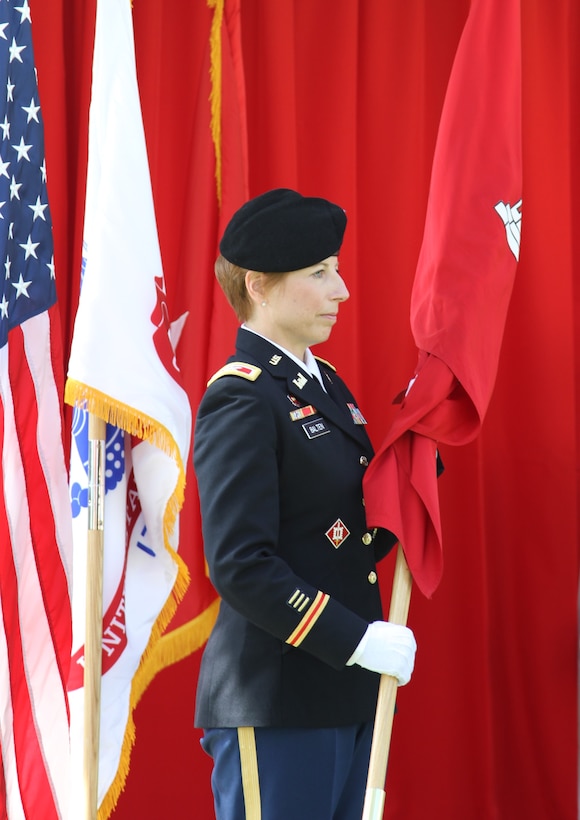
(246, 371)
(332, 367)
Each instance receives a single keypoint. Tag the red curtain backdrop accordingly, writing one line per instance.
(343, 101)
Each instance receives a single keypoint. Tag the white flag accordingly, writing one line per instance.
(122, 368)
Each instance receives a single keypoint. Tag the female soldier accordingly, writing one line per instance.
(288, 683)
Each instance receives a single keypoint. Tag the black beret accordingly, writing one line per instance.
(282, 230)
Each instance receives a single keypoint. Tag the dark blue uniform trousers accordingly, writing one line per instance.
(316, 774)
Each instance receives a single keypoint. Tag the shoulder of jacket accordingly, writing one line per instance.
(327, 363)
(242, 369)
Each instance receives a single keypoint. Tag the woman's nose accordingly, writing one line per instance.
(342, 293)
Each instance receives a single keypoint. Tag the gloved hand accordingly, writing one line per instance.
(388, 649)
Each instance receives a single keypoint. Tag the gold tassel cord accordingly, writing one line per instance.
(215, 97)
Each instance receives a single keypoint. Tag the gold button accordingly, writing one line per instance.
(367, 539)
(372, 577)
(363, 461)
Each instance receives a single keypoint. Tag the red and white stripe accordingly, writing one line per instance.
(35, 557)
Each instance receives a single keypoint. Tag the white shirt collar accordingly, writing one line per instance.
(310, 365)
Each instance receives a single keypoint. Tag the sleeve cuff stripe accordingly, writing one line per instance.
(309, 619)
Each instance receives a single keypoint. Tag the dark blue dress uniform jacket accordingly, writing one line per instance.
(279, 465)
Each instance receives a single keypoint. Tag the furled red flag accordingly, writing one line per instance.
(463, 283)
(217, 185)
(35, 528)
(123, 368)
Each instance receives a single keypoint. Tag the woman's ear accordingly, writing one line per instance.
(255, 286)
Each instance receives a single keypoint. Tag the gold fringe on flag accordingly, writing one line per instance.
(163, 652)
(137, 424)
(169, 649)
(215, 97)
(157, 655)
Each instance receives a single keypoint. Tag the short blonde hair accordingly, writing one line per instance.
(232, 280)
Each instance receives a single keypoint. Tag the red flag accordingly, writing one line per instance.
(35, 525)
(462, 285)
(218, 185)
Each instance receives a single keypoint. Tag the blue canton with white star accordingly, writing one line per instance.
(27, 283)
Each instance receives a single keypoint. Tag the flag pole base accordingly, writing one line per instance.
(374, 804)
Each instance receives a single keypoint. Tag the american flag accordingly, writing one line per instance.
(35, 525)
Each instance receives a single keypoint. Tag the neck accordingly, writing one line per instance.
(275, 338)
(299, 354)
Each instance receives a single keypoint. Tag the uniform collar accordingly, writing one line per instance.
(310, 365)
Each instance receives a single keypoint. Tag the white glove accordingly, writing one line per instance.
(388, 649)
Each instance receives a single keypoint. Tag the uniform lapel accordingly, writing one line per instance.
(329, 404)
(298, 383)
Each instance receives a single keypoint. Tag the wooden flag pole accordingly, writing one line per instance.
(398, 612)
(94, 613)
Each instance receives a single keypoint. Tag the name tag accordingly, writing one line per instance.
(315, 428)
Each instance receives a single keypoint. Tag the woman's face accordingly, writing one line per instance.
(302, 308)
